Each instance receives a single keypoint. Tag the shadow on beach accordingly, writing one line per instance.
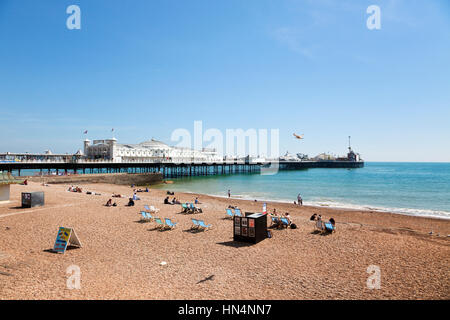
(235, 244)
(67, 249)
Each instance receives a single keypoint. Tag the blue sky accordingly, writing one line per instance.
(147, 67)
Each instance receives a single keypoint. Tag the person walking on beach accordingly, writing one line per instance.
(299, 200)
(229, 193)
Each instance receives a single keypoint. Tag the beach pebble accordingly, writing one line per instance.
(163, 263)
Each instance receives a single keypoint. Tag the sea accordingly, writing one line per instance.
(418, 189)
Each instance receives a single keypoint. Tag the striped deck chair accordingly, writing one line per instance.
(169, 223)
(203, 226)
(230, 214)
(195, 224)
(237, 212)
(184, 208)
(329, 227)
(152, 209)
(284, 222)
(275, 221)
(144, 216)
(159, 224)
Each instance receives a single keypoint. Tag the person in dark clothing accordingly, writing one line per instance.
(130, 202)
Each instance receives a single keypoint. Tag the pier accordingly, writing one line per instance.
(166, 168)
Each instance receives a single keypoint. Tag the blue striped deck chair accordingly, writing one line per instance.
(149, 216)
(195, 224)
(284, 222)
(169, 223)
(203, 226)
(275, 221)
(159, 224)
(237, 212)
(144, 216)
(230, 214)
(147, 208)
(184, 207)
(329, 227)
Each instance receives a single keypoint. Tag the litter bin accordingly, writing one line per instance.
(32, 199)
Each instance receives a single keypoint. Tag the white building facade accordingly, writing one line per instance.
(147, 151)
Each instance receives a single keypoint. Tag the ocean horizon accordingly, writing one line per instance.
(411, 188)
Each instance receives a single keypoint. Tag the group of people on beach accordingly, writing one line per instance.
(278, 223)
(173, 201)
(75, 189)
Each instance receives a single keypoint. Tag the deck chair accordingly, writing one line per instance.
(275, 221)
(147, 208)
(230, 214)
(237, 212)
(329, 227)
(203, 226)
(184, 208)
(144, 216)
(195, 224)
(192, 208)
(153, 209)
(159, 224)
(169, 223)
(284, 222)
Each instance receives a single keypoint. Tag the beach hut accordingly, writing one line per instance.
(6, 180)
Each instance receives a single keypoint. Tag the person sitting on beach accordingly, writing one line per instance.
(109, 203)
(146, 190)
(313, 217)
(175, 201)
(166, 200)
(135, 197)
(274, 213)
(288, 217)
(196, 201)
(332, 222)
(130, 202)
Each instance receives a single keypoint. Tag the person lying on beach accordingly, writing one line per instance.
(116, 195)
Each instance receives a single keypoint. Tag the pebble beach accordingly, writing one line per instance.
(124, 258)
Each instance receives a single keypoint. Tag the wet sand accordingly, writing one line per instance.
(120, 257)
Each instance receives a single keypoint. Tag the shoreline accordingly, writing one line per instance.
(437, 215)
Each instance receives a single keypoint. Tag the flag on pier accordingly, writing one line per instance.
(85, 132)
